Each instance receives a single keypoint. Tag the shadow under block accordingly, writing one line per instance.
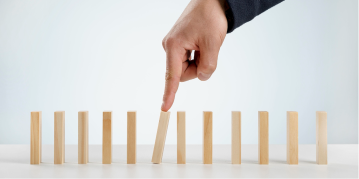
(207, 137)
(321, 137)
(263, 144)
(83, 137)
(160, 137)
(107, 137)
(181, 137)
(236, 137)
(59, 137)
(35, 135)
(131, 137)
(292, 137)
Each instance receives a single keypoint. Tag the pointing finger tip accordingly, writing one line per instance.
(162, 107)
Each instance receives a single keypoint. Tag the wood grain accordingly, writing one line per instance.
(131, 137)
(59, 137)
(263, 143)
(160, 137)
(35, 137)
(321, 137)
(207, 137)
(107, 137)
(83, 137)
(181, 137)
(292, 137)
(236, 137)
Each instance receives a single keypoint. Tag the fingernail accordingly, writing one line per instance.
(203, 76)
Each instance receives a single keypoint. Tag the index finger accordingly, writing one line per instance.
(174, 57)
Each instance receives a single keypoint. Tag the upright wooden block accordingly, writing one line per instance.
(83, 137)
(321, 137)
(236, 137)
(107, 138)
(131, 137)
(263, 144)
(207, 137)
(160, 137)
(59, 137)
(292, 137)
(35, 136)
(181, 137)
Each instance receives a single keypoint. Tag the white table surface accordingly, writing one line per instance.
(342, 163)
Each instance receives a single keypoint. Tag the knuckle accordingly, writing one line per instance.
(209, 67)
(170, 76)
(170, 42)
(164, 43)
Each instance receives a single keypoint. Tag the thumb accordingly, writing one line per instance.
(207, 60)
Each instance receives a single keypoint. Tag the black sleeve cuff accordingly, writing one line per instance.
(241, 11)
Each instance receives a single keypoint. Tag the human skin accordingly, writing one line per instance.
(202, 28)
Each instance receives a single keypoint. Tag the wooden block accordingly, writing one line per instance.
(35, 135)
(107, 137)
(160, 137)
(321, 137)
(263, 144)
(59, 137)
(207, 137)
(83, 137)
(131, 137)
(236, 137)
(292, 137)
(181, 137)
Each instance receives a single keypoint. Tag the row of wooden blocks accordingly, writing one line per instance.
(263, 142)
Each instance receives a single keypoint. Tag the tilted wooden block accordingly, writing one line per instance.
(59, 137)
(35, 135)
(107, 138)
(236, 137)
(292, 137)
(181, 137)
(263, 143)
(131, 137)
(207, 137)
(83, 137)
(160, 137)
(321, 137)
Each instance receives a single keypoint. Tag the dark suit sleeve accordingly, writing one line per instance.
(239, 12)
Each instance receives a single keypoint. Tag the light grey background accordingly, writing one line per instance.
(107, 55)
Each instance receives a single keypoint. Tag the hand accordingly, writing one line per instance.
(201, 27)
